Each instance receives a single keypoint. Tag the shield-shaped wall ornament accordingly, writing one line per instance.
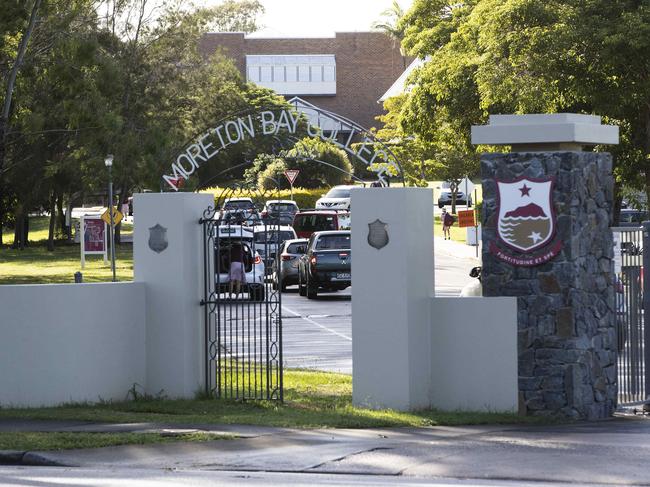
(526, 216)
(378, 234)
(158, 238)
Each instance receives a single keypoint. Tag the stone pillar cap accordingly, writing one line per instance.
(553, 131)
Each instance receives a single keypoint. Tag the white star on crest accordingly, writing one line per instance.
(535, 236)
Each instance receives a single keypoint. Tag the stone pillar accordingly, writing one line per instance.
(393, 286)
(168, 257)
(564, 288)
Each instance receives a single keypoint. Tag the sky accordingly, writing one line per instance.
(312, 18)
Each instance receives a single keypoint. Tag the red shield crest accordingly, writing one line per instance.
(526, 220)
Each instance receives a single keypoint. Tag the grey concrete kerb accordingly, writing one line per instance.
(614, 452)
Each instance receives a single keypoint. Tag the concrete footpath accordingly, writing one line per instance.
(615, 452)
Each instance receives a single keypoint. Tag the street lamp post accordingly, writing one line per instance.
(109, 163)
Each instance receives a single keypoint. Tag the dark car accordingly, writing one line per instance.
(632, 218)
(280, 212)
(326, 264)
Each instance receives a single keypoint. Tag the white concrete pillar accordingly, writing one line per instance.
(393, 287)
(174, 286)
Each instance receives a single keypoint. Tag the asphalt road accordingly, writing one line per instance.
(317, 333)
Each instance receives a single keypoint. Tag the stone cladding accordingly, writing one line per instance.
(566, 310)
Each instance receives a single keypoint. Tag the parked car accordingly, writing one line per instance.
(337, 198)
(473, 288)
(247, 218)
(280, 212)
(445, 196)
(632, 218)
(238, 240)
(326, 263)
(307, 222)
(285, 269)
(241, 204)
(267, 240)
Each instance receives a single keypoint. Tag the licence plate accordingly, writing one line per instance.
(342, 275)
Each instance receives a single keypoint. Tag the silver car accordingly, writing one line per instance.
(290, 253)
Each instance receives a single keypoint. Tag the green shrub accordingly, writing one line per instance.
(305, 198)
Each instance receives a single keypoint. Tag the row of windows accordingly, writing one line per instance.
(290, 74)
(325, 59)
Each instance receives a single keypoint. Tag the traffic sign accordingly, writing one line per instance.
(117, 216)
(466, 218)
(291, 175)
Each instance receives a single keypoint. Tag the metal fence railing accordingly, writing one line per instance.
(632, 250)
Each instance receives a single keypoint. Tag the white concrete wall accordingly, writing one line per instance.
(474, 354)
(391, 305)
(174, 277)
(70, 342)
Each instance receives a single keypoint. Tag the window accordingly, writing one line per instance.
(303, 73)
(266, 74)
(294, 74)
(334, 242)
(317, 74)
(278, 74)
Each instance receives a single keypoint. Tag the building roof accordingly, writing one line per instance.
(399, 86)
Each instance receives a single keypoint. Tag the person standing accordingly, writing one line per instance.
(237, 271)
(447, 222)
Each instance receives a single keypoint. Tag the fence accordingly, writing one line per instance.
(632, 250)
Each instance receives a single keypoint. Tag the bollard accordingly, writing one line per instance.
(78, 277)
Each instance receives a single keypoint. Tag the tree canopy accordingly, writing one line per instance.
(122, 77)
(526, 56)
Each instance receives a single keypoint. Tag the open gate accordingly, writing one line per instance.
(632, 248)
(242, 306)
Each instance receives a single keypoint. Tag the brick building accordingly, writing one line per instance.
(346, 74)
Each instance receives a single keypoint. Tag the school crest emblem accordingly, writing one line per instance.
(378, 234)
(158, 238)
(526, 219)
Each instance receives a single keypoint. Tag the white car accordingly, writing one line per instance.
(268, 238)
(337, 198)
(239, 240)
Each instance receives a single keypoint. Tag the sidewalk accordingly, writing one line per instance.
(456, 249)
(609, 452)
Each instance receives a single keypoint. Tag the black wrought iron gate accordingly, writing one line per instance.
(632, 256)
(242, 307)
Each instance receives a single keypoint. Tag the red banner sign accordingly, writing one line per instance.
(94, 237)
(466, 218)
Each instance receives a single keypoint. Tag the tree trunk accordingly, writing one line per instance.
(616, 213)
(18, 229)
(68, 212)
(52, 229)
(60, 215)
(6, 109)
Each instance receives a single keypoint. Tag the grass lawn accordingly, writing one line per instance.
(457, 234)
(35, 265)
(312, 400)
(65, 441)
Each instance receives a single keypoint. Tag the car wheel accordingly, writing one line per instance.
(283, 287)
(301, 287)
(312, 291)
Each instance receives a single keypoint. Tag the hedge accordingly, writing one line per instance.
(305, 198)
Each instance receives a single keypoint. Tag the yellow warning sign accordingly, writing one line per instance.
(117, 216)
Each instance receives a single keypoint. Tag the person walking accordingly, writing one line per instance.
(237, 272)
(447, 222)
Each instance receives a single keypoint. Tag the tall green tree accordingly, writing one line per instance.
(524, 56)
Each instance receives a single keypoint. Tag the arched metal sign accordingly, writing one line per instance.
(284, 121)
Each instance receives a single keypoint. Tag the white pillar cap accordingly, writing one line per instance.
(556, 131)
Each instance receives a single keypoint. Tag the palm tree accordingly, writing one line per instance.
(391, 25)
